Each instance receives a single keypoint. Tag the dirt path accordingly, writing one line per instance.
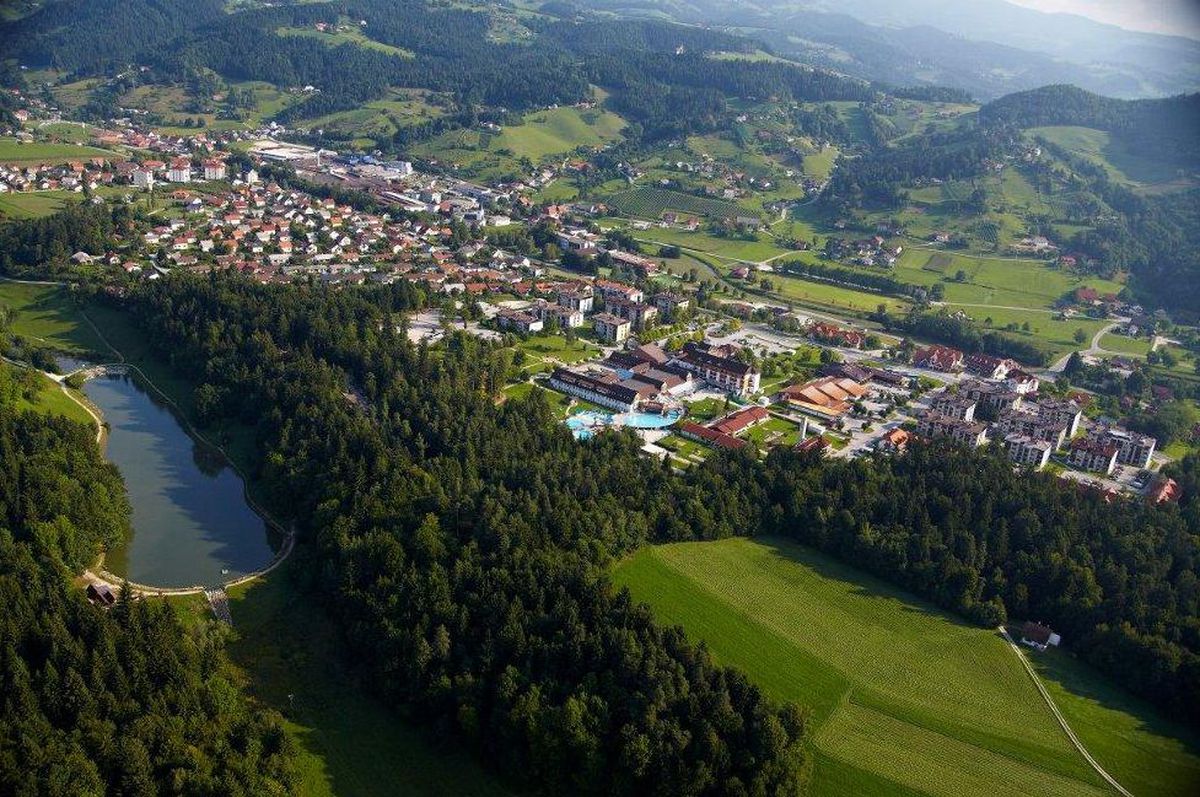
(1062, 721)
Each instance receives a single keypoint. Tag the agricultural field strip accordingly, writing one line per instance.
(960, 683)
(1061, 719)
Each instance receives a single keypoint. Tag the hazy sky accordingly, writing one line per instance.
(1181, 17)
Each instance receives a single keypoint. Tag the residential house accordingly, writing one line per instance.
(671, 305)
(214, 169)
(1094, 455)
(894, 442)
(519, 321)
(1028, 451)
(607, 289)
(990, 367)
(938, 358)
(1038, 636)
(954, 406)
(641, 315)
(968, 433)
(611, 328)
(1133, 449)
(576, 298)
(180, 171)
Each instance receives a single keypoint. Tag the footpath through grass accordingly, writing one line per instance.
(904, 696)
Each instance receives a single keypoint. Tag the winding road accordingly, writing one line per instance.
(1061, 365)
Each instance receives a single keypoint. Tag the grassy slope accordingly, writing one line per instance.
(34, 204)
(349, 745)
(1145, 753)
(1122, 164)
(875, 665)
(46, 313)
(50, 400)
(559, 130)
(11, 151)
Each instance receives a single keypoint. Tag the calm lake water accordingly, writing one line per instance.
(190, 519)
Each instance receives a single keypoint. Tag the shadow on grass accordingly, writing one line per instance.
(861, 583)
(290, 657)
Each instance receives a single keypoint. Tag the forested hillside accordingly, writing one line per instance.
(463, 546)
(438, 513)
(123, 701)
(1166, 127)
(660, 74)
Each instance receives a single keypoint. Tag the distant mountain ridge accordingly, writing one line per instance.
(988, 47)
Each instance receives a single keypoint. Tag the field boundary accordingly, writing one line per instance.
(1062, 721)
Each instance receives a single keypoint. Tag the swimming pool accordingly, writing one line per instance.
(585, 424)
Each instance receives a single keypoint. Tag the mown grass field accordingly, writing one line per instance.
(288, 655)
(13, 151)
(904, 698)
(47, 314)
(34, 204)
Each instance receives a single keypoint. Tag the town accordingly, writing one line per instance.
(683, 370)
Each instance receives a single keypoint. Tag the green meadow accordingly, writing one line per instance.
(48, 314)
(905, 698)
(13, 151)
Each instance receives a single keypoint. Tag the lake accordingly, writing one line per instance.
(190, 517)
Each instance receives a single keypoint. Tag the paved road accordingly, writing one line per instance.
(1094, 348)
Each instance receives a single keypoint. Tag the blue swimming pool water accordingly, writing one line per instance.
(584, 424)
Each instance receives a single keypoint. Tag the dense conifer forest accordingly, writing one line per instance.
(464, 543)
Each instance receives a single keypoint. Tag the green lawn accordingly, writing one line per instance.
(1045, 330)
(12, 151)
(1144, 752)
(46, 397)
(903, 696)
(34, 204)
(556, 347)
(47, 314)
(289, 656)
(1125, 344)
